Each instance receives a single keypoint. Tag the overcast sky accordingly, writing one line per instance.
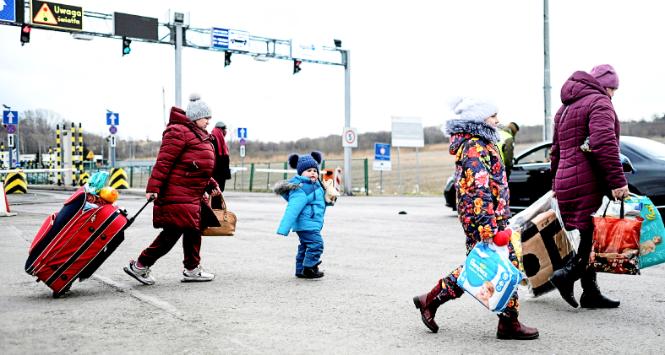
(408, 58)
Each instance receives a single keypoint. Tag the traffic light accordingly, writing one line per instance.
(126, 42)
(296, 66)
(227, 59)
(25, 34)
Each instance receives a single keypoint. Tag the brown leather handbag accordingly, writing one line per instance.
(227, 221)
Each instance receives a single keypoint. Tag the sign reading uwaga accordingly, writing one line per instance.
(56, 15)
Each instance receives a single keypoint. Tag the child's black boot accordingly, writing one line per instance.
(312, 272)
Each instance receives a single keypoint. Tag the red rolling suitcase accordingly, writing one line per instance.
(73, 243)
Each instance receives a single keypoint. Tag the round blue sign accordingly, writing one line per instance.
(113, 129)
(11, 128)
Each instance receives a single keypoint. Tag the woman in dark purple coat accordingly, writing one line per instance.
(586, 165)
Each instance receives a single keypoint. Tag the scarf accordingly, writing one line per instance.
(222, 148)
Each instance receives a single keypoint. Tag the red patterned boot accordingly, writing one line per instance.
(427, 304)
(511, 328)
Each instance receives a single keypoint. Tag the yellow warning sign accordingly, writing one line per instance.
(56, 15)
(90, 155)
(45, 16)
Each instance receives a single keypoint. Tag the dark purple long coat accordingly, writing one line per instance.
(582, 178)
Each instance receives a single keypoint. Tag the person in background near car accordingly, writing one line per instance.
(482, 206)
(585, 165)
(222, 161)
(506, 145)
(179, 183)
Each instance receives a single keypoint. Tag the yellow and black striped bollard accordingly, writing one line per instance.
(84, 178)
(119, 179)
(16, 183)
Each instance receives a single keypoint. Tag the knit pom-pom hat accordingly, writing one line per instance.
(197, 109)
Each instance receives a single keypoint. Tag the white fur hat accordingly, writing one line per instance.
(197, 109)
(472, 109)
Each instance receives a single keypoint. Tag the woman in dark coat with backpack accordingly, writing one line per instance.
(179, 184)
(586, 166)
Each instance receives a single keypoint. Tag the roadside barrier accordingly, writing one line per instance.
(119, 179)
(4, 203)
(84, 178)
(15, 182)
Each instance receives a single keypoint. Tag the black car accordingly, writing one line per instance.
(531, 177)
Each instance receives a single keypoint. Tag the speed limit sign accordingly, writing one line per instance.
(350, 138)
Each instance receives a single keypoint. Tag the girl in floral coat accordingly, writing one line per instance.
(482, 206)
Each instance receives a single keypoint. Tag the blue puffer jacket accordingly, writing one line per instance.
(306, 205)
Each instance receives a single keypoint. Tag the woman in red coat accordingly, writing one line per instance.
(179, 183)
(586, 165)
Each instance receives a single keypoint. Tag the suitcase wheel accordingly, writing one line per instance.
(62, 292)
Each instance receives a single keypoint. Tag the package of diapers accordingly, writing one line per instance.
(489, 276)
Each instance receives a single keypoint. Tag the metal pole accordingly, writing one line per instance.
(399, 175)
(178, 59)
(10, 148)
(417, 172)
(381, 181)
(112, 150)
(547, 124)
(348, 186)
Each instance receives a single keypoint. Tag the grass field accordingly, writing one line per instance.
(423, 173)
(429, 169)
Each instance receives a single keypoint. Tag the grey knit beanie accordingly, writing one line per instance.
(197, 109)
(220, 124)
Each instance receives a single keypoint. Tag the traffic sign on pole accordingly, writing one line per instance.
(242, 151)
(11, 128)
(242, 133)
(9, 117)
(8, 11)
(382, 157)
(350, 138)
(113, 129)
(112, 118)
(219, 38)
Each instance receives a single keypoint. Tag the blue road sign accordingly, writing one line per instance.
(242, 133)
(219, 38)
(112, 118)
(7, 10)
(9, 117)
(113, 129)
(11, 128)
(382, 151)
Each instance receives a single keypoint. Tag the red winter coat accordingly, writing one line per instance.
(582, 178)
(181, 175)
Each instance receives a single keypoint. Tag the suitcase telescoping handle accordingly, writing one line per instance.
(131, 220)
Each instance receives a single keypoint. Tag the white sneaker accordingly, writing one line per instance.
(141, 275)
(197, 275)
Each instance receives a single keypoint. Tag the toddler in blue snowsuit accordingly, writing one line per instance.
(304, 212)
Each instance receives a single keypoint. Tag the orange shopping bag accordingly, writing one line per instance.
(616, 244)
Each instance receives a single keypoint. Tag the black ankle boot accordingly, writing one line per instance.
(591, 296)
(564, 280)
(312, 272)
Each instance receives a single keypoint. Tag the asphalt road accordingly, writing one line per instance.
(375, 261)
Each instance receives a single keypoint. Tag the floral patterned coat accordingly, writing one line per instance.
(480, 180)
